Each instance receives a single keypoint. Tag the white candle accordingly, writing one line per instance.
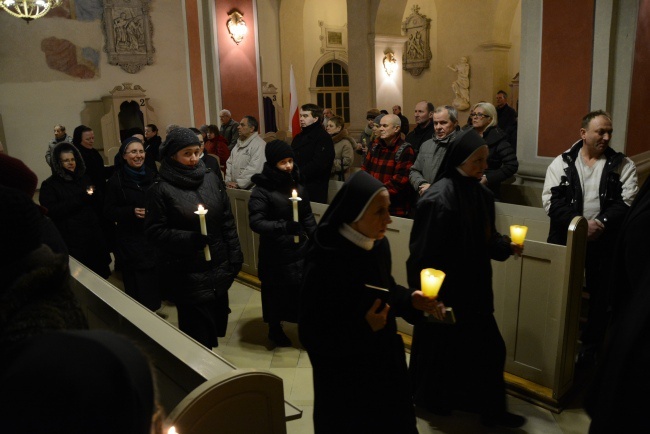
(294, 198)
(431, 281)
(518, 234)
(204, 229)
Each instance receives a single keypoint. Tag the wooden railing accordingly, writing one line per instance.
(537, 297)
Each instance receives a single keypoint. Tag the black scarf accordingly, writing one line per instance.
(181, 175)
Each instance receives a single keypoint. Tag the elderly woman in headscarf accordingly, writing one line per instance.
(347, 319)
(198, 286)
(460, 366)
(124, 206)
(72, 202)
(78, 382)
(281, 258)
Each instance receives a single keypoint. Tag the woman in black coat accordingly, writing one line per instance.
(281, 259)
(502, 160)
(198, 287)
(358, 360)
(460, 366)
(73, 204)
(124, 206)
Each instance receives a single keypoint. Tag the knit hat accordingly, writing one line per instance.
(276, 151)
(378, 119)
(15, 174)
(20, 225)
(372, 113)
(176, 140)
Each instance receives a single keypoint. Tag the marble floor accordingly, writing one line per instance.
(246, 345)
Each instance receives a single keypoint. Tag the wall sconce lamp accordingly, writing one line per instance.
(390, 62)
(237, 26)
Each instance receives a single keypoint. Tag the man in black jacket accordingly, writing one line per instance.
(423, 131)
(596, 182)
(314, 153)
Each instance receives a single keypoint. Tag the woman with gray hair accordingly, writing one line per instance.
(502, 159)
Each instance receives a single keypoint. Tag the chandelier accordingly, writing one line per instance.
(28, 10)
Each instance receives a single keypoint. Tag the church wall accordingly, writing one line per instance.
(637, 140)
(33, 97)
(269, 41)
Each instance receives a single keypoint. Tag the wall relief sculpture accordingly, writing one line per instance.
(417, 52)
(128, 34)
(460, 86)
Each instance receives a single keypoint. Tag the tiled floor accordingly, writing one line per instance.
(246, 345)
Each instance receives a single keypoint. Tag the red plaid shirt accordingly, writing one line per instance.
(380, 163)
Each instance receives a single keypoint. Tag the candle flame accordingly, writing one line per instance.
(201, 207)
(294, 194)
(172, 430)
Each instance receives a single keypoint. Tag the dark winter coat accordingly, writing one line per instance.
(170, 224)
(95, 168)
(567, 198)
(371, 394)
(502, 160)
(123, 195)
(36, 297)
(74, 212)
(280, 258)
(314, 155)
(420, 135)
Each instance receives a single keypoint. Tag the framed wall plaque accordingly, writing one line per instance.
(128, 34)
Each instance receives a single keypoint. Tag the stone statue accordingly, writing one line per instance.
(461, 85)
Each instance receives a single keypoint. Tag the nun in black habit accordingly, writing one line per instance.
(350, 334)
(460, 366)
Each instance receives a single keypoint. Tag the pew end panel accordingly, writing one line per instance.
(245, 400)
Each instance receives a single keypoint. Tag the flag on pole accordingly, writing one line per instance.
(294, 120)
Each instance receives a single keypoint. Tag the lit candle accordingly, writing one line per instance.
(204, 229)
(90, 190)
(294, 198)
(172, 430)
(518, 234)
(431, 281)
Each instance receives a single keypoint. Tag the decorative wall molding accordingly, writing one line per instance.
(417, 51)
(495, 46)
(333, 38)
(128, 34)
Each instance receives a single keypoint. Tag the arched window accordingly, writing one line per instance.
(333, 89)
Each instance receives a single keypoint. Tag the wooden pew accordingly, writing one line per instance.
(183, 367)
(537, 297)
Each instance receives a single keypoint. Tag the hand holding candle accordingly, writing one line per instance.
(204, 230)
(431, 281)
(294, 198)
(518, 235)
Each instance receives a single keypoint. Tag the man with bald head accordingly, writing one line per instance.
(390, 161)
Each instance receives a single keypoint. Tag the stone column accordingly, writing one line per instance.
(361, 41)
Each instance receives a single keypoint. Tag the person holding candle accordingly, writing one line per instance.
(347, 322)
(198, 287)
(281, 259)
(460, 366)
(124, 206)
(71, 206)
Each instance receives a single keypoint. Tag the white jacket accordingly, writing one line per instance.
(246, 159)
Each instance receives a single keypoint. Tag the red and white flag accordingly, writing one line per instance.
(294, 119)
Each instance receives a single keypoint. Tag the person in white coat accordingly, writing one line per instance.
(247, 157)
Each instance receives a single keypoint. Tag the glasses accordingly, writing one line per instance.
(68, 160)
(135, 152)
(478, 115)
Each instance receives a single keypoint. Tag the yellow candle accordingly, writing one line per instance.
(204, 230)
(295, 199)
(518, 234)
(431, 281)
